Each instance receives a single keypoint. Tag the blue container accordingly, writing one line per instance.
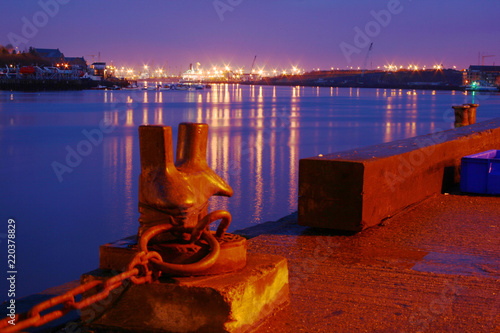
(480, 173)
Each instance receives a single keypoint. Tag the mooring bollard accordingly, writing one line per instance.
(174, 241)
(472, 112)
(173, 202)
(461, 115)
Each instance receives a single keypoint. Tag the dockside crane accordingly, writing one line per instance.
(485, 56)
(253, 63)
(366, 59)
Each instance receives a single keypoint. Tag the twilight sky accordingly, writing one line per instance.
(282, 33)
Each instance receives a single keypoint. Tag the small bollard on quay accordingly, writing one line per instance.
(202, 280)
(472, 112)
(461, 115)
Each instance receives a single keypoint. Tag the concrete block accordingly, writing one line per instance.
(234, 302)
(233, 251)
(357, 189)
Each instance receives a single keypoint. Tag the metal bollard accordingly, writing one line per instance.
(472, 112)
(461, 115)
(173, 203)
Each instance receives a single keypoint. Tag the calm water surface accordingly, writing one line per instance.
(257, 136)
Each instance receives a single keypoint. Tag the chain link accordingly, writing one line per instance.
(136, 275)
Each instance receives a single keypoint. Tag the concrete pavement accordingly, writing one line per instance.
(432, 268)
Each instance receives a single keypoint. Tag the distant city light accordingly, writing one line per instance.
(226, 73)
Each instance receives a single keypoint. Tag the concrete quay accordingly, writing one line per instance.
(432, 268)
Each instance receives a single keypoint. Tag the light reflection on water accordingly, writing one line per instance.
(257, 136)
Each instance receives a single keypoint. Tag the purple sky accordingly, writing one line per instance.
(282, 33)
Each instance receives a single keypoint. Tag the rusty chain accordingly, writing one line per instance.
(136, 275)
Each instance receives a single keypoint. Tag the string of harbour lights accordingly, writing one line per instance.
(147, 71)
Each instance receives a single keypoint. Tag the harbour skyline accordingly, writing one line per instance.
(282, 34)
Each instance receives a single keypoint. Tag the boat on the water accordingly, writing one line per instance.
(131, 87)
(150, 88)
(179, 86)
(481, 86)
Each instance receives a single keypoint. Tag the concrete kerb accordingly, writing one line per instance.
(357, 189)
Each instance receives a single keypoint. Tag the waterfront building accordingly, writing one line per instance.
(76, 62)
(57, 58)
(98, 71)
(490, 74)
(54, 56)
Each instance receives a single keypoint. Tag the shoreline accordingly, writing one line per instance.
(31, 85)
(67, 85)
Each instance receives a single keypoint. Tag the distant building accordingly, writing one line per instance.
(54, 56)
(192, 75)
(247, 77)
(490, 74)
(98, 70)
(110, 70)
(78, 62)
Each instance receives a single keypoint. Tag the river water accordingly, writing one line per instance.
(69, 161)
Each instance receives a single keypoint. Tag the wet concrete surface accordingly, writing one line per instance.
(432, 268)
